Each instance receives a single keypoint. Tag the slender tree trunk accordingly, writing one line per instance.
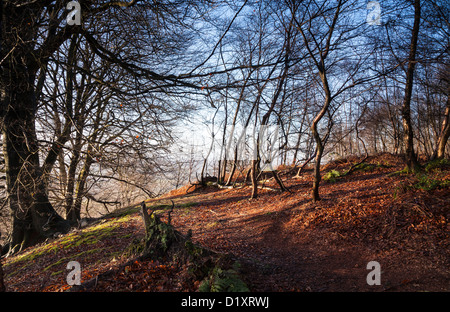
(233, 168)
(319, 153)
(445, 133)
(2, 283)
(71, 214)
(408, 135)
(253, 175)
(316, 135)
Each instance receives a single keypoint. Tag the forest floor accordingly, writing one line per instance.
(282, 240)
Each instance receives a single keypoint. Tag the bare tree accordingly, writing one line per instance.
(32, 31)
(408, 133)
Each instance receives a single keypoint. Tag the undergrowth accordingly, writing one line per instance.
(220, 280)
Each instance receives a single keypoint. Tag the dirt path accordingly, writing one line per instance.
(275, 257)
(287, 243)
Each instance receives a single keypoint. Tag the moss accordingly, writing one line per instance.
(57, 273)
(88, 236)
(427, 183)
(194, 250)
(159, 237)
(332, 176)
(65, 260)
(437, 164)
(365, 167)
(124, 212)
(176, 206)
(404, 171)
(136, 247)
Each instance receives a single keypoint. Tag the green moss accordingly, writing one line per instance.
(365, 167)
(176, 206)
(123, 212)
(428, 183)
(404, 171)
(193, 250)
(88, 236)
(65, 260)
(57, 273)
(136, 247)
(160, 235)
(437, 164)
(332, 176)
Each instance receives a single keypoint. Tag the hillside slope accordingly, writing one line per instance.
(282, 241)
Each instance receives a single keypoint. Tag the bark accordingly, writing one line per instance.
(445, 133)
(81, 186)
(33, 216)
(319, 153)
(316, 135)
(233, 168)
(408, 136)
(2, 283)
(319, 62)
(71, 215)
(64, 134)
(253, 175)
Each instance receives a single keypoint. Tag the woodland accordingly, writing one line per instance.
(224, 145)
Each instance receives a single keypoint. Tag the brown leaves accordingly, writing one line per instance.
(287, 234)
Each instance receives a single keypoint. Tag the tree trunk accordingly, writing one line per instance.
(445, 133)
(316, 135)
(408, 136)
(81, 187)
(319, 152)
(254, 175)
(233, 168)
(2, 283)
(71, 216)
(33, 216)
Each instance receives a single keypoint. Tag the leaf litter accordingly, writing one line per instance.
(283, 241)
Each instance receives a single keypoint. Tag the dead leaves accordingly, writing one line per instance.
(365, 210)
(141, 276)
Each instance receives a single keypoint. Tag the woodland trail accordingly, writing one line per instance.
(287, 243)
(283, 241)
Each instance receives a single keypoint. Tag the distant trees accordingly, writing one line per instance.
(362, 87)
